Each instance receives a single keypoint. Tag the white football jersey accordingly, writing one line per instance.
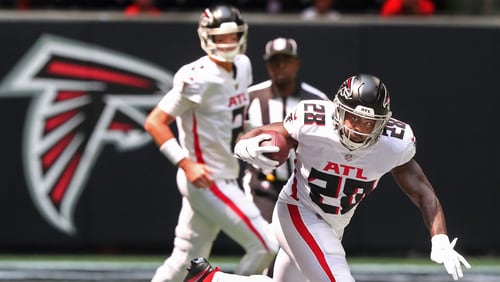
(328, 178)
(267, 106)
(210, 122)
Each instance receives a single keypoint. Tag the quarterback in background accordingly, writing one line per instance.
(343, 148)
(208, 101)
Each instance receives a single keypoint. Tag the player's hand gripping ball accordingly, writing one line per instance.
(281, 142)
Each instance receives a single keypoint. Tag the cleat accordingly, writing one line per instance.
(199, 269)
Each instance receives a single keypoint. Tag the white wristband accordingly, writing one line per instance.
(173, 151)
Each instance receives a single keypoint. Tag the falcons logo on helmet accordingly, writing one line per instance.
(83, 97)
(346, 90)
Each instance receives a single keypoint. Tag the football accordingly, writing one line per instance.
(281, 142)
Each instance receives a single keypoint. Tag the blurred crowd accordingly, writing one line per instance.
(308, 8)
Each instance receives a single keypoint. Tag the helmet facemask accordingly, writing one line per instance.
(345, 133)
(223, 52)
(364, 96)
(210, 25)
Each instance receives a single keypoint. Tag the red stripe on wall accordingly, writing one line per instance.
(57, 120)
(62, 184)
(51, 155)
(87, 72)
(121, 126)
(65, 95)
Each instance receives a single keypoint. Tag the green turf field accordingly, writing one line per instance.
(155, 259)
(134, 268)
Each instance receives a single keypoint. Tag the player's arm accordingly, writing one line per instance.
(292, 125)
(248, 146)
(276, 126)
(249, 150)
(157, 124)
(413, 181)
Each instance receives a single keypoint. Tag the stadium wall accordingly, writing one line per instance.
(113, 192)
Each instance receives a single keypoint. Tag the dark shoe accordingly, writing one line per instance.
(199, 269)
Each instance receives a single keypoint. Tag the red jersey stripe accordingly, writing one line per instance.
(196, 139)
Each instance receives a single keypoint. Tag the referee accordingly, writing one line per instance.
(271, 101)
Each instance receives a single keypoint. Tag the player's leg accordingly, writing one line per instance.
(188, 243)
(201, 270)
(311, 243)
(264, 193)
(194, 236)
(240, 219)
(285, 270)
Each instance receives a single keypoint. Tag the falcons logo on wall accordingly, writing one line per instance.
(83, 97)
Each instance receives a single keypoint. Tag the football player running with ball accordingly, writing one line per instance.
(343, 148)
(208, 101)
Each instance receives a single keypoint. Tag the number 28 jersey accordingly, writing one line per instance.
(330, 179)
